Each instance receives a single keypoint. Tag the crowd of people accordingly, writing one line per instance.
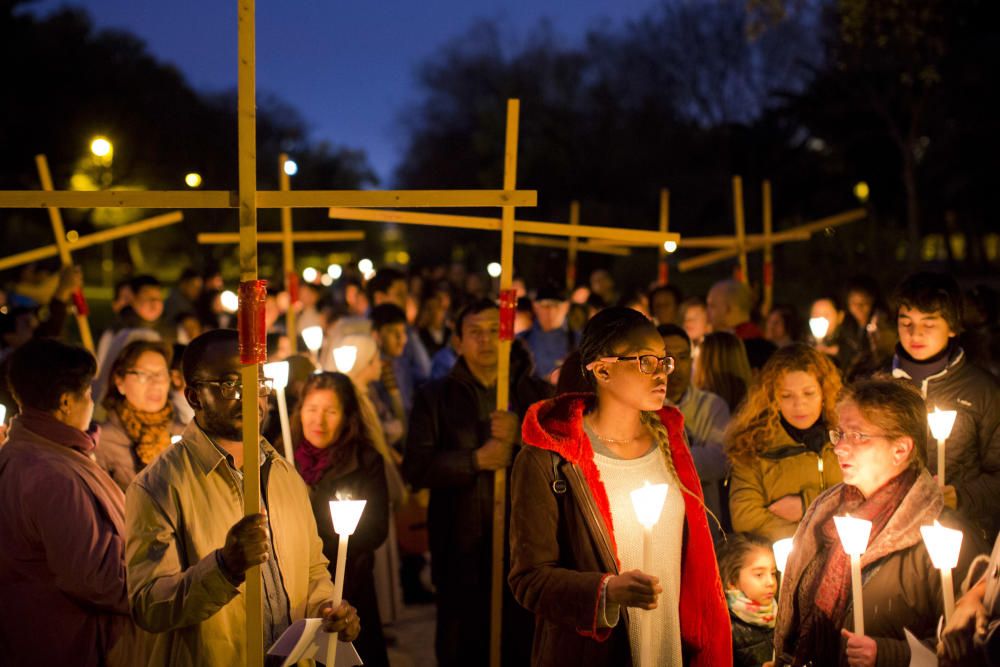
(123, 540)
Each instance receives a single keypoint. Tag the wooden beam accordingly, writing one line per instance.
(573, 246)
(62, 245)
(223, 238)
(89, 240)
(287, 253)
(768, 248)
(663, 270)
(584, 246)
(718, 242)
(740, 223)
(247, 143)
(266, 198)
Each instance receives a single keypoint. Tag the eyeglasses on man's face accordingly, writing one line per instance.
(232, 390)
(648, 363)
(853, 437)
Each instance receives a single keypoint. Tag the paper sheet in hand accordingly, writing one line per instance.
(304, 640)
(920, 655)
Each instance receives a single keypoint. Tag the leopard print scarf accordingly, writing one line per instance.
(148, 431)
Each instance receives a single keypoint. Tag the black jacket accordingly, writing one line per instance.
(753, 645)
(972, 451)
(362, 478)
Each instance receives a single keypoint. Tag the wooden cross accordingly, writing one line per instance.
(63, 247)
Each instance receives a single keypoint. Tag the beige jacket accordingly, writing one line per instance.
(178, 511)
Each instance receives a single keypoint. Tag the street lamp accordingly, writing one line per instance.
(193, 180)
(102, 148)
(290, 167)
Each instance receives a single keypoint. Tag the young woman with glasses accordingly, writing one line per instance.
(140, 419)
(576, 543)
(778, 442)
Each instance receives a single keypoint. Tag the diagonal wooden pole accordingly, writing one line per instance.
(288, 256)
(321, 236)
(663, 273)
(741, 232)
(124, 231)
(247, 140)
(574, 245)
(55, 217)
(503, 386)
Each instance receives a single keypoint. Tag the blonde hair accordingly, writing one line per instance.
(758, 421)
(723, 367)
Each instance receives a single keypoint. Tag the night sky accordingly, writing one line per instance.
(347, 67)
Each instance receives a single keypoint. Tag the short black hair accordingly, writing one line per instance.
(671, 289)
(666, 330)
(382, 281)
(43, 369)
(188, 274)
(473, 308)
(930, 292)
(198, 350)
(385, 314)
(144, 280)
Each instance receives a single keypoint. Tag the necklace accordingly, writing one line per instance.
(613, 441)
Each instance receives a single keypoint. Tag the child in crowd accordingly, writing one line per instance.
(746, 564)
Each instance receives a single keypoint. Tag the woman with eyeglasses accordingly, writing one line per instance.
(576, 542)
(881, 447)
(140, 419)
(778, 442)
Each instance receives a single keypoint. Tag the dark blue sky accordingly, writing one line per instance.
(348, 67)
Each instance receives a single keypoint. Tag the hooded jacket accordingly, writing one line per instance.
(901, 587)
(972, 451)
(563, 546)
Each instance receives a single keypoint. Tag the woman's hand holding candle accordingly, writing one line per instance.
(861, 650)
(343, 620)
(634, 589)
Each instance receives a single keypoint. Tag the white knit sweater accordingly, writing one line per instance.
(620, 478)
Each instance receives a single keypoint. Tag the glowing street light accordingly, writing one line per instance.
(366, 266)
(335, 271)
(862, 191)
(310, 274)
(648, 503)
(819, 326)
(278, 372)
(944, 545)
(854, 534)
(313, 336)
(344, 358)
(230, 302)
(345, 514)
(193, 180)
(291, 167)
(670, 246)
(494, 269)
(102, 148)
(941, 423)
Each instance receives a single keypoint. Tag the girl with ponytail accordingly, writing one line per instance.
(576, 544)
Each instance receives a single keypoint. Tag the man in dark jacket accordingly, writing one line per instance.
(928, 312)
(456, 440)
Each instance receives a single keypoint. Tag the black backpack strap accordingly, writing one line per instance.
(559, 485)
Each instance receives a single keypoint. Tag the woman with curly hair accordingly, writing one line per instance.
(778, 442)
(140, 417)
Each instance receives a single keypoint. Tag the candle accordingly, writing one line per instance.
(174, 439)
(854, 534)
(819, 326)
(3, 413)
(278, 372)
(782, 549)
(345, 515)
(943, 545)
(941, 423)
(344, 357)
(313, 336)
(648, 503)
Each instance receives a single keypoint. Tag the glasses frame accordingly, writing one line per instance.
(145, 377)
(232, 390)
(668, 362)
(853, 437)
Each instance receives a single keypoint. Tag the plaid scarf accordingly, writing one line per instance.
(829, 588)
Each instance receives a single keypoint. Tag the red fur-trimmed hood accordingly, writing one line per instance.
(557, 425)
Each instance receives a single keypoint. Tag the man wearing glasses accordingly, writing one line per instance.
(188, 545)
